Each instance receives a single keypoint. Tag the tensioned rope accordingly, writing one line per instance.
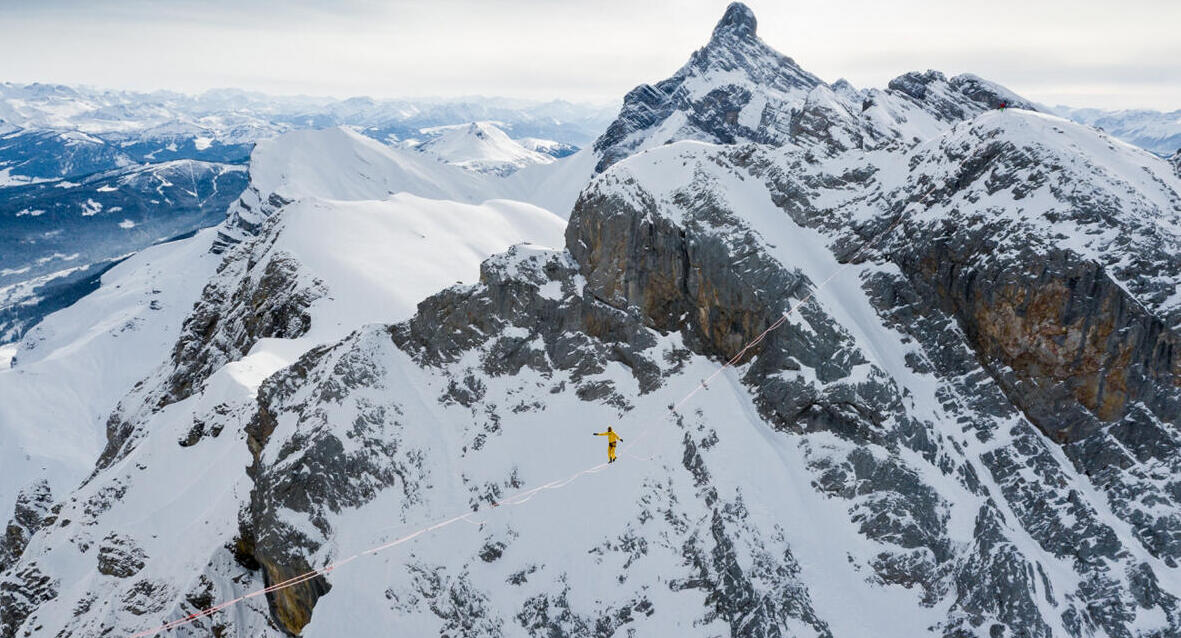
(524, 496)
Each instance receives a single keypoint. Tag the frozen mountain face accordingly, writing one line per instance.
(316, 267)
(896, 463)
(61, 235)
(480, 147)
(960, 98)
(736, 88)
(1159, 132)
(966, 426)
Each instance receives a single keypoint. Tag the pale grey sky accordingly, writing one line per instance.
(1119, 54)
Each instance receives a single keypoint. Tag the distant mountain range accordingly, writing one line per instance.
(62, 148)
(1155, 131)
(88, 176)
(50, 131)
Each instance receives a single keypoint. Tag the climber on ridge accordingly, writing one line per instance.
(612, 438)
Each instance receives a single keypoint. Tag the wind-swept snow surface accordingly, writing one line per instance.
(341, 164)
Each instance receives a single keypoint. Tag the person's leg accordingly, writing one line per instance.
(610, 453)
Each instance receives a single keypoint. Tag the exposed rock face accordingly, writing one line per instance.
(21, 591)
(958, 98)
(568, 329)
(32, 507)
(1078, 337)
(246, 217)
(1068, 344)
(258, 293)
(679, 278)
(301, 474)
(119, 556)
(268, 299)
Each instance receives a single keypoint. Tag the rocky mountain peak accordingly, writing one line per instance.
(738, 21)
(735, 88)
(957, 98)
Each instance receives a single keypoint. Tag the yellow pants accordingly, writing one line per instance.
(610, 452)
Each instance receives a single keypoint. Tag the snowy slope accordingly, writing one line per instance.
(71, 369)
(964, 424)
(293, 166)
(378, 259)
(480, 147)
(555, 186)
(368, 261)
(341, 164)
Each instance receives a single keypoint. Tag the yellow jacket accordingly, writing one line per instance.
(612, 437)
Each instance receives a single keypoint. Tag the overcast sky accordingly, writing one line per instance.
(1122, 53)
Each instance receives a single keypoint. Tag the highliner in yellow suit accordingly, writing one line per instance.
(612, 439)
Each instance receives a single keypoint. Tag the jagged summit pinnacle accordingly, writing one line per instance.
(711, 94)
(738, 19)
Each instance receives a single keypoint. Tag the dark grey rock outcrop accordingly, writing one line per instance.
(956, 99)
(258, 293)
(120, 557)
(31, 509)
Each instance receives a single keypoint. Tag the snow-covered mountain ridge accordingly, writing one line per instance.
(63, 233)
(967, 425)
(482, 147)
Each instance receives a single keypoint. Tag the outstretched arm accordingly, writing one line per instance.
(600, 434)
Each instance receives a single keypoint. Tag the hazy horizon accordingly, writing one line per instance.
(1079, 54)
